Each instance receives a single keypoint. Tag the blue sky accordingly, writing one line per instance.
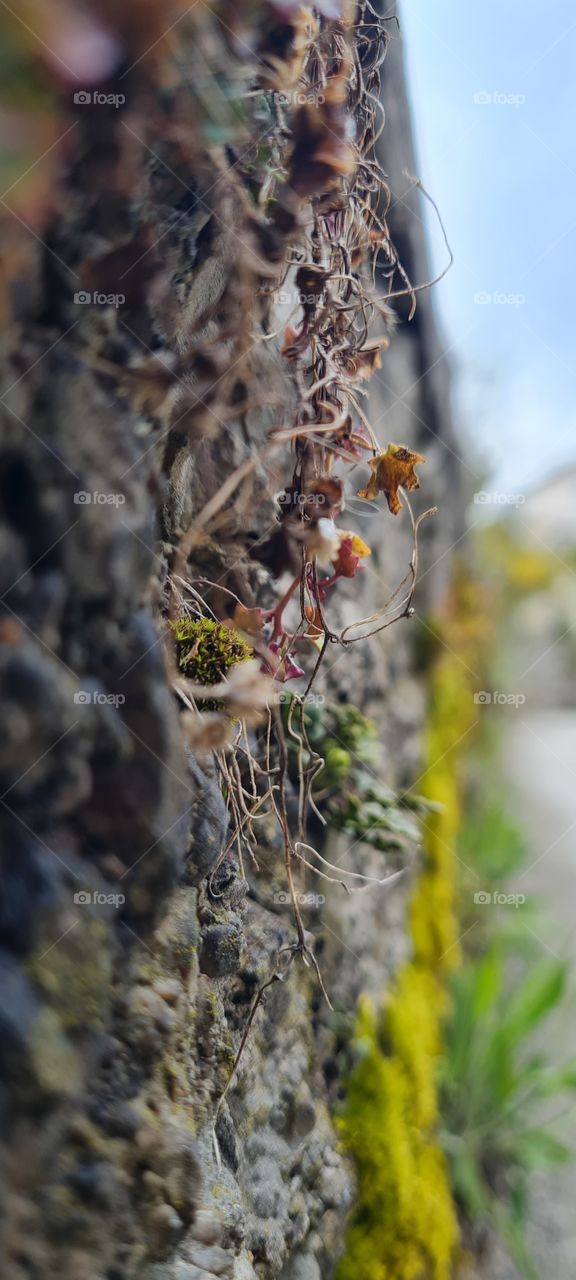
(503, 172)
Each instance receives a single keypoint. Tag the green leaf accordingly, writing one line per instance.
(534, 999)
(537, 1148)
(492, 843)
(421, 804)
(554, 1080)
(488, 983)
(468, 1182)
(512, 1234)
(402, 824)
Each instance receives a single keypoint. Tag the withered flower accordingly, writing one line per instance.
(351, 552)
(363, 363)
(311, 283)
(353, 439)
(245, 691)
(392, 470)
(322, 152)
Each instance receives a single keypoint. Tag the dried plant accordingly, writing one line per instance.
(317, 209)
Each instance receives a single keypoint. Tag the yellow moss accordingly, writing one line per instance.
(418, 1001)
(433, 918)
(405, 1224)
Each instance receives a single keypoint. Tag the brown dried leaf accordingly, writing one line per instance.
(249, 621)
(392, 470)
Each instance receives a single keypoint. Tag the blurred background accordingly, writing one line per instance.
(491, 93)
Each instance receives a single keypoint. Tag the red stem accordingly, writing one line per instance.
(276, 614)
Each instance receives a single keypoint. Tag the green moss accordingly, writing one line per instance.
(208, 650)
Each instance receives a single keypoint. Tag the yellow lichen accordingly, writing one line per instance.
(405, 1225)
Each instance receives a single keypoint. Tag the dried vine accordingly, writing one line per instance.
(323, 198)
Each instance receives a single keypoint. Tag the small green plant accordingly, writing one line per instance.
(490, 1087)
(492, 852)
(345, 738)
(491, 843)
(373, 813)
(347, 787)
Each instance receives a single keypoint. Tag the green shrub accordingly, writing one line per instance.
(490, 1087)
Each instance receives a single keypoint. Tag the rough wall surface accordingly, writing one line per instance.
(120, 1017)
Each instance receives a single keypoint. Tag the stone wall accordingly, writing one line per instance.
(120, 1017)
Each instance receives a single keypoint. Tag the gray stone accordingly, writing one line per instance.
(163, 1227)
(134, 1080)
(267, 1190)
(207, 1227)
(243, 1269)
(220, 950)
(212, 1258)
(303, 1266)
(209, 823)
